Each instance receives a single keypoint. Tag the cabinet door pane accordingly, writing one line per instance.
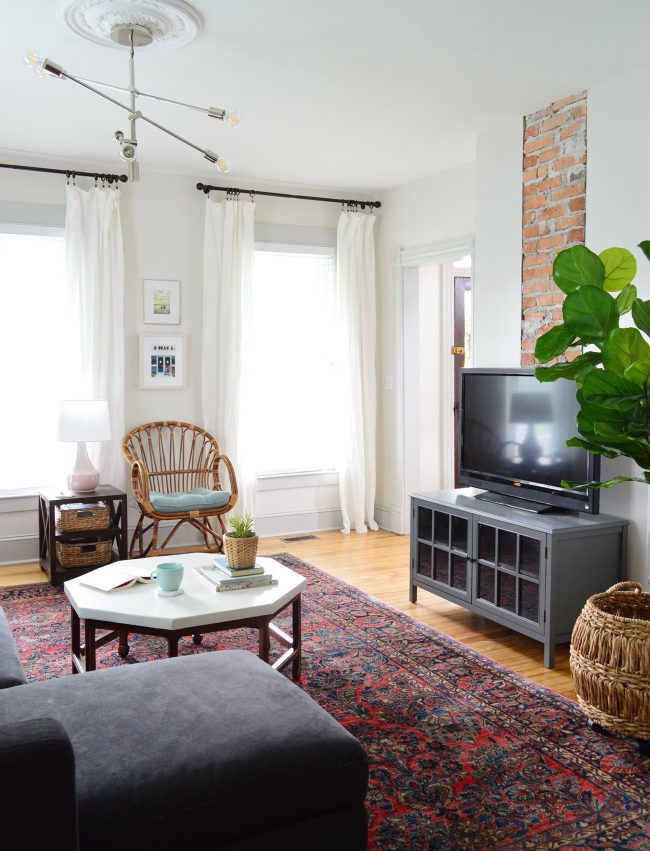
(486, 583)
(459, 533)
(486, 542)
(507, 592)
(459, 573)
(424, 560)
(441, 528)
(529, 600)
(507, 548)
(441, 566)
(424, 522)
(529, 555)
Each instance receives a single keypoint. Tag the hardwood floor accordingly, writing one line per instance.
(377, 563)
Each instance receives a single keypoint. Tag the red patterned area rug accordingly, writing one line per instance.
(464, 754)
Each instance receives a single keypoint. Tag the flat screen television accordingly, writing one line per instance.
(513, 433)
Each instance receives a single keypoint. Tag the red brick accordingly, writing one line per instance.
(572, 129)
(531, 288)
(542, 171)
(531, 260)
(534, 202)
(529, 301)
(579, 111)
(567, 222)
(575, 188)
(577, 235)
(538, 143)
(530, 189)
(577, 204)
(554, 121)
(572, 354)
(530, 174)
(560, 104)
(529, 161)
(551, 154)
(565, 162)
(557, 314)
(552, 241)
(549, 183)
(527, 218)
(535, 230)
(551, 212)
(535, 316)
(530, 246)
(531, 130)
(537, 116)
(528, 359)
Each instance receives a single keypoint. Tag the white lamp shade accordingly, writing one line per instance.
(83, 419)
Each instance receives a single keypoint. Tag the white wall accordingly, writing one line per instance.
(432, 210)
(618, 189)
(162, 217)
(496, 284)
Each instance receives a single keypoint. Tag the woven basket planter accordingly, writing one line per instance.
(240, 552)
(610, 660)
(84, 554)
(75, 517)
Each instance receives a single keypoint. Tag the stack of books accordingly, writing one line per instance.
(224, 578)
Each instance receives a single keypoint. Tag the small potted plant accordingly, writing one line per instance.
(240, 545)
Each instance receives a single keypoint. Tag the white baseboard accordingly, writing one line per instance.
(389, 517)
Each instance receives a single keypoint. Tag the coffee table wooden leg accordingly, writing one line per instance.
(75, 639)
(172, 643)
(90, 648)
(265, 642)
(123, 646)
(296, 664)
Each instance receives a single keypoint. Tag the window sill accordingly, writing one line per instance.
(288, 481)
(20, 499)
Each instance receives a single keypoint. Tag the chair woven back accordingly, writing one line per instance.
(178, 456)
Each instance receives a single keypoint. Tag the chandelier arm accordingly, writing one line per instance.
(169, 132)
(207, 110)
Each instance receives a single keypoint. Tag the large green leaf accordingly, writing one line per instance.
(639, 372)
(620, 268)
(567, 370)
(645, 247)
(590, 313)
(622, 348)
(593, 447)
(641, 315)
(553, 343)
(578, 267)
(626, 298)
(610, 483)
(608, 390)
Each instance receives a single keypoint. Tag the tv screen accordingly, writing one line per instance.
(513, 433)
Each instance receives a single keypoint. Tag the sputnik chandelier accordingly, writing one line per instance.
(151, 25)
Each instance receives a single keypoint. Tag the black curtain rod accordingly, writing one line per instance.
(234, 191)
(109, 178)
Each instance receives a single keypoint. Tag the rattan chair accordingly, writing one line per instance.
(175, 475)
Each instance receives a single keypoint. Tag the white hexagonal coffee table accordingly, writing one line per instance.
(198, 610)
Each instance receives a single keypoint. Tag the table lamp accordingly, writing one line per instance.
(82, 420)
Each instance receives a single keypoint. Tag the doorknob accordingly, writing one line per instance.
(457, 350)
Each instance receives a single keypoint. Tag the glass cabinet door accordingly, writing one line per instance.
(441, 549)
(509, 567)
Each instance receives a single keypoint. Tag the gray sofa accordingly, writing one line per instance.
(212, 751)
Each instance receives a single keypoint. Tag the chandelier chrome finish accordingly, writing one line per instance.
(142, 24)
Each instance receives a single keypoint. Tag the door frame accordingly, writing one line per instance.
(404, 259)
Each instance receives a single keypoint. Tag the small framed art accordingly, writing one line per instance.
(162, 302)
(163, 361)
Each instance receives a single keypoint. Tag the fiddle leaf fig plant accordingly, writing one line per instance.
(613, 375)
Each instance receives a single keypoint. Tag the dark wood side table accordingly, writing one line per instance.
(50, 499)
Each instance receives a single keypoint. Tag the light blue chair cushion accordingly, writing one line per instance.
(198, 499)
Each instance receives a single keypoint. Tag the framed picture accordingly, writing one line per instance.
(163, 361)
(162, 302)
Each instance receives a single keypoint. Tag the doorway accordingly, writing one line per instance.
(436, 323)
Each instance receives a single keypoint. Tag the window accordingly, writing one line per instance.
(293, 359)
(35, 364)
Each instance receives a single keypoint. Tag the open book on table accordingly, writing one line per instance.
(112, 578)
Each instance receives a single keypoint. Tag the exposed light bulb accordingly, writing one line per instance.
(32, 59)
(233, 119)
(223, 165)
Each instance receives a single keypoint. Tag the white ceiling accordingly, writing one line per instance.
(363, 94)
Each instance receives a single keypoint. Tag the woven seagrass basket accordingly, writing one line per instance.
(240, 552)
(84, 554)
(76, 517)
(610, 660)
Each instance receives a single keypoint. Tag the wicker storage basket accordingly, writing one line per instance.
(84, 554)
(610, 660)
(240, 552)
(78, 517)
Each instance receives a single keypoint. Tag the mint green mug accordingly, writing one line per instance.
(168, 575)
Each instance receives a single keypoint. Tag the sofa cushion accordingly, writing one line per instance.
(195, 752)
(198, 499)
(11, 671)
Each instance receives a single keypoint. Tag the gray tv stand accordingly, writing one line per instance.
(530, 572)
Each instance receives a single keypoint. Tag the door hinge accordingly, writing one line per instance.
(458, 350)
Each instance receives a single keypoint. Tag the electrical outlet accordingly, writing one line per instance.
(388, 382)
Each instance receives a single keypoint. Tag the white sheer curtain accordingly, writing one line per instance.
(94, 269)
(356, 327)
(228, 404)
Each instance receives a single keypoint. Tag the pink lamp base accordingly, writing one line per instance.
(84, 476)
